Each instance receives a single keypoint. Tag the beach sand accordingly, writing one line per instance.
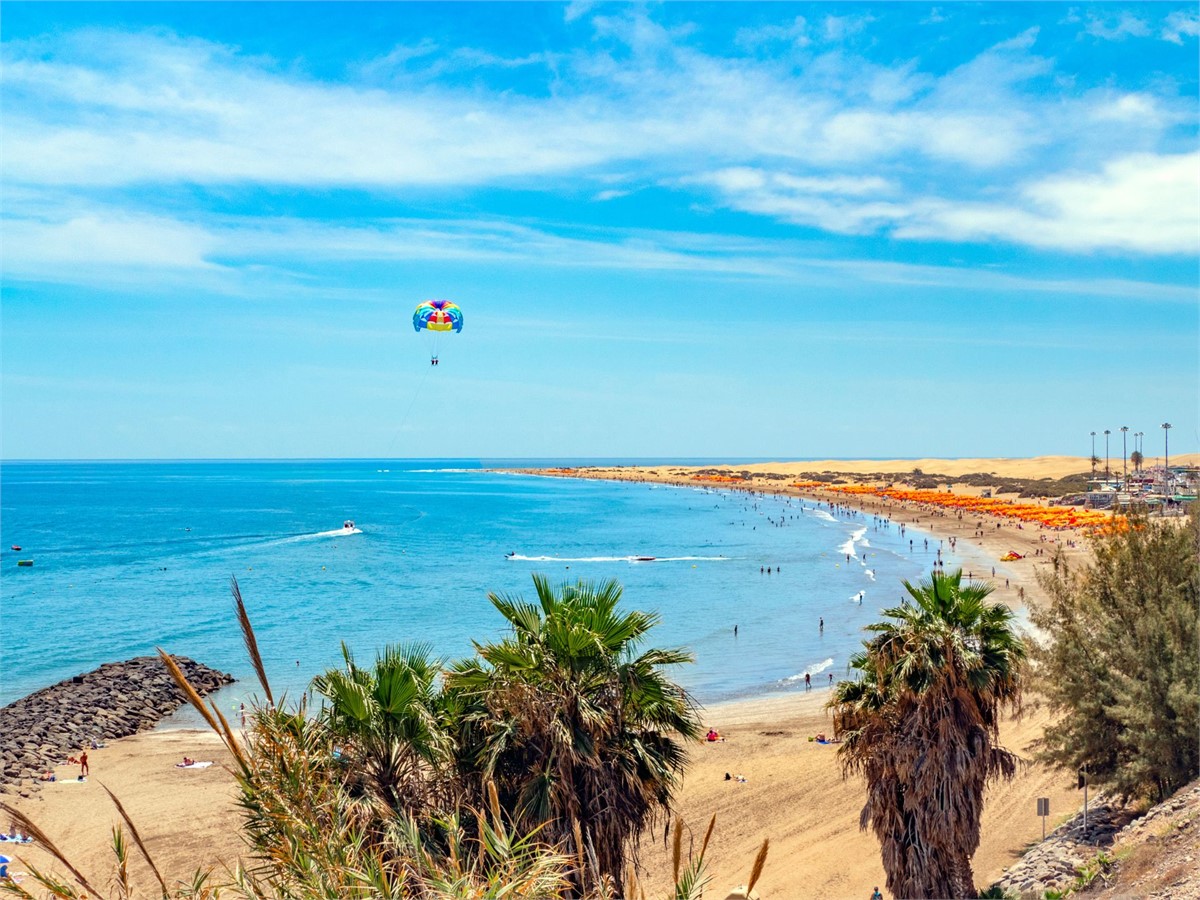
(794, 792)
(187, 817)
(795, 795)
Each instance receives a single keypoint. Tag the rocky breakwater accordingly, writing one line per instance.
(113, 701)
(1054, 863)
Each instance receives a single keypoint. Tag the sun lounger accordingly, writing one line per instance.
(196, 765)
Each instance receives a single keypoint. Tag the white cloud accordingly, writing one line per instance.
(260, 257)
(111, 109)
(576, 9)
(794, 33)
(828, 140)
(838, 28)
(1130, 107)
(1142, 204)
(90, 239)
(1123, 25)
(1181, 24)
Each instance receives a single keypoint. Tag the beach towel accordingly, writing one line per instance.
(67, 781)
(196, 765)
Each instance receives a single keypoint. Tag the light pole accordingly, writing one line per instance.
(1166, 427)
(1124, 458)
(1138, 444)
(1106, 434)
(1093, 456)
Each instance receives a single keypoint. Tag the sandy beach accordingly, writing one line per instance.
(793, 792)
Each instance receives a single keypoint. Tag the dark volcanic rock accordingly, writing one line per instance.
(114, 701)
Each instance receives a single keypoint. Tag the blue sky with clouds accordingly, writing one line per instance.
(675, 230)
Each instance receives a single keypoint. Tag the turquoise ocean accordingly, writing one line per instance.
(129, 556)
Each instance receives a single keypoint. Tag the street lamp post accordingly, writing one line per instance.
(1106, 472)
(1093, 456)
(1124, 458)
(1166, 427)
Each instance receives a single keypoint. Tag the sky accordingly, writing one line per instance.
(675, 230)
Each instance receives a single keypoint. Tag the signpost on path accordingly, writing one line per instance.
(1083, 783)
(1043, 810)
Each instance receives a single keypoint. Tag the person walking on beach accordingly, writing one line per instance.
(243, 712)
(83, 764)
(807, 682)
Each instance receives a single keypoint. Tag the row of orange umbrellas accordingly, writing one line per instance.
(1048, 516)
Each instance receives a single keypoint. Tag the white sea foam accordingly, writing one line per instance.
(848, 548)
(517, 557)
(821, 514)
(814, 669)
(871, 574)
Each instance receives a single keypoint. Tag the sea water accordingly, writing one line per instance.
(133, 556)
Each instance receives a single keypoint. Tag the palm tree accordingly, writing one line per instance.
(388, 719)
(921, 723)
(1136, 459)
(576, 728)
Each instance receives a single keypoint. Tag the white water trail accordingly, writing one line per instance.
(517, 557)
(814, 669)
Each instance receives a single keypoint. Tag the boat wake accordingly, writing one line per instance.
(337, 532)
(517, 557)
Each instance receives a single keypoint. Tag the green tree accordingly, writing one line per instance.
(1119, 661)
(921, 724)
(1135, 460)
(576, 728)
(388, 719)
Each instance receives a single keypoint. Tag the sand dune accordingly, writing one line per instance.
(1033, 467)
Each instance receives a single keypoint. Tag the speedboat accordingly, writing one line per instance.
(17, 547)
(645, 558)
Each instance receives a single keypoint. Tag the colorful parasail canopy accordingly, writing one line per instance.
(437, 315)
